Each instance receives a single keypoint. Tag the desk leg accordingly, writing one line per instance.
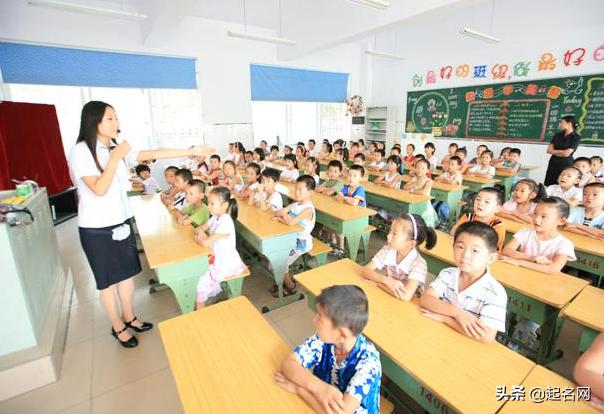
(278, 261)
(587, 337)
(353, 231)
(182, 278)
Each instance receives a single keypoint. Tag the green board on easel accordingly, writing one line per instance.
(517, 111)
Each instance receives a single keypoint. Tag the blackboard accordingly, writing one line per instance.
(516, 111)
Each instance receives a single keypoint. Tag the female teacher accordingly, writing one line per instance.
(562, 147)
(99, 169)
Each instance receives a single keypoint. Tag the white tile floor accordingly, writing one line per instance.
(99, 376)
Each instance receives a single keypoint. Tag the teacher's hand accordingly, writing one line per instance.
(202, 151)
(121, 150)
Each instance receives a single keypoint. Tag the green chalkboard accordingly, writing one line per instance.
(517, 111)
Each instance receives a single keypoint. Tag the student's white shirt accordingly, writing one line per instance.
(457, 177)
(290, 174)
(275, 201)
(585, 179)
(432, 160)
(379, 164)
(573, 193)
(485, 298)
(490, 170)
(313, 152)
(532, 246)
(511, 205)
(112, 208)
(151, 186)
(413, 266)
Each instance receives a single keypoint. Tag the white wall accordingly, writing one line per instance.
(392, 79)
(223, 62)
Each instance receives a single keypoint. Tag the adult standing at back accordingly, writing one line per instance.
(99, 168)
(562, 148)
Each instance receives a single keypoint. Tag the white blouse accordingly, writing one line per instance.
(112, 208)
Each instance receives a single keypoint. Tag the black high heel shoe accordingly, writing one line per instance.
(143, 328)
(130, 343)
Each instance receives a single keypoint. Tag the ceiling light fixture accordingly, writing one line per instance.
(261, 38)
(375, 4)
(63, 5)
(479, 35)
(384, 54)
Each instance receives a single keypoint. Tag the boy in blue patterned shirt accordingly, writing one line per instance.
(337, 369)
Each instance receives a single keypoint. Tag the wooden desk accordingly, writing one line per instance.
(587, 309)
(449, 193)
(589, 251)
(507, 180)
(396, 201)
(171, 251)
(272, 239)
(541, 377)
(476, 182)
(533, 295)
(342, 218)
(223, 357)
(441, 369)
(525, 170)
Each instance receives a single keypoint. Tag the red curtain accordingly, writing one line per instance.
(31, 146)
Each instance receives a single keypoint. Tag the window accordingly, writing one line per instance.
(299, 121)
(149, 118)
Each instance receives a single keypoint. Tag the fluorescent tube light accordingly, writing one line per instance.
(261, 38)
(63, 5)
(375, 4)
(478, 35)
(383, 54)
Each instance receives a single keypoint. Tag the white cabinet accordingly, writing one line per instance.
(380, 125)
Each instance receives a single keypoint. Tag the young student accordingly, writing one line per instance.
(302, 213)
(378, 163)
(291, 173)
(353, 193)
(232, 180)
(596, 168)
(451, 150)
(567, 186)
(487, 204)
(230, 152)
(300, 154)
(409, 154)
(362, 148)
(264, 147)
(248, 158)
(258, 157)
(354, 149)
(398, 268)
(287, 150)
(479, 150)
(252, 172)
(196, 212)
(462, 153)
(358, 159)
(340, 155)
(337, 370)
(312, 148)
(215, 175)
(589, 372)
(370, 155)
(265, 195)
(326, 149)
(333, 184)
(503, 156)
(169, 176)
(145, 180)
(312, 168)
(484, 167)
(511, 162)
(430, 153)
(589, 220)
(181, 181)
(392, 177)
(239, 154)
(521, 205)
(219, 234)
(542, 247)
(467, 297)
(274, 155)
(583, 164)
(420, 183)
(451, 173)
(395, 151)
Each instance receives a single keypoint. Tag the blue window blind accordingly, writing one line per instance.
(271, 83)
(45, 65)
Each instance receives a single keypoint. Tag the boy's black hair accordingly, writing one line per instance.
(185, 174)
(456, 159)
(272, 173)
(488, 152)
(171, 168)
(248, 153)
(424, 160)
(316, 164)
(479, 229)
(453, 144)
(515, 151)
(359, 155)
(397, 145)
(301, 144)
(308, 181)
(578, 171)
(418, 157)
(264, 142)
(201, 186)
(422, 232)
(288, 147)
(292, 158)
(560, 203)
(395, 159)
(260, 153)
(594, 185)
(397, 149)
(274, 147)
(140, 168)
(346, 306)
(500, 196)
(230, 162)
(355, 144)
(335, 163)
(313, 141)
(584, 159)
(215, 157)
(254, 167)
(463, 150)
(412, 146)
(381, 152)
(358, 168)
(225, 196)
(597, 157)
(325, 141)
(535, 187)
(482, 145)
(430, 145)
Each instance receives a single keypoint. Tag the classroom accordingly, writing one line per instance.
(297, 206)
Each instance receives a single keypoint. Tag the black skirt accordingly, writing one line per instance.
(111, 261)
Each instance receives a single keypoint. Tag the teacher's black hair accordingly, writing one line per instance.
(571, 120)
(91, 117)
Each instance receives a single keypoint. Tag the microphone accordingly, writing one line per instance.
(119, 131)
